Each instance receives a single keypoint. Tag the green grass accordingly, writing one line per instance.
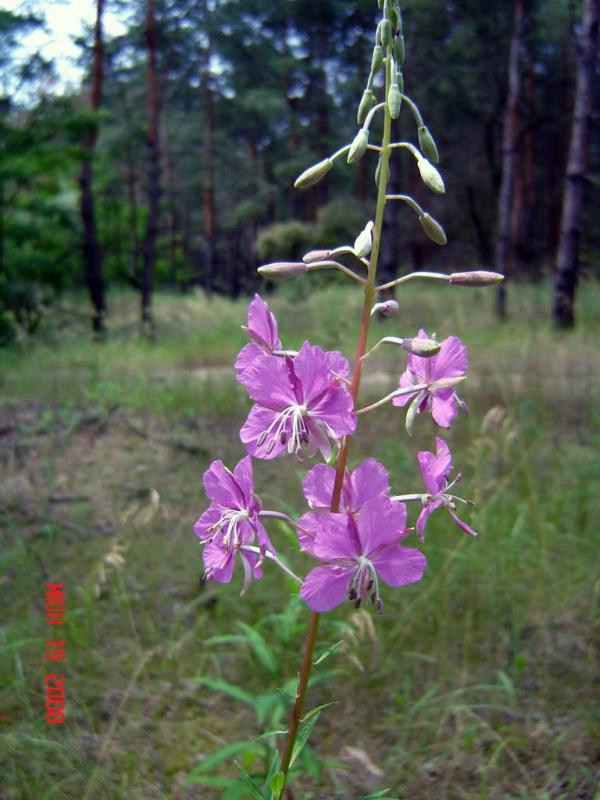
(480, 682)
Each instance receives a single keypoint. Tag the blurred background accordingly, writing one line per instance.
(148, 153)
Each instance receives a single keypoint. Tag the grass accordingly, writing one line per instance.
(480, 682)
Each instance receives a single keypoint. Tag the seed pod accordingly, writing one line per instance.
(399, 50)
(427, 144)
(430, 176)
(313, 174)
(478, 277)
(377, 58)
(433, 229)
(385, 32)
(359, 146)
(367, 102)
(394, 101)
(282, 270)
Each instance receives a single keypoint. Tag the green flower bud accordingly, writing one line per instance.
(313, 174)
(359, 146)
(400, 80)
(427, 144)
(397, 18)
(421, 347)
(367, 102)
(386, 9)
(399, 50)
(385, 32)
(364, 241)
(430, 176)
(377, 58)
(394, 101)
(316, 255)
(282, 270)
(476, 278)
(433, 229)
(394, 17)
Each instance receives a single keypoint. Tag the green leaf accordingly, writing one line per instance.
(250, 783)
(277, 783)
(307, 725)
(329, 651)
(229, 689)
(260, 647)
(377, 795)
(218, 756)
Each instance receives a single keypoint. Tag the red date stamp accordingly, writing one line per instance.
(55, 651)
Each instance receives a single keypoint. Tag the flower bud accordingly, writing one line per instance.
(433, 229)
(313, 174)
(388, 308)
(421, 347)
(367, 102)
(282, 270)
(395, 19)
(316, 255)
(394, 101)
(359, 146)
(377, 58)
(399, 50)
(427, 144)
(478, 277)
(364, 241)
(431, 177)
(384, 31)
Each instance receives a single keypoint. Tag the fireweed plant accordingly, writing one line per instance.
(305, 404)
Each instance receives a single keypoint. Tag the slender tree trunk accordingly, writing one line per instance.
(149, 246)
(208, 191)
(509, 153)
(92, 250)
(565, 276)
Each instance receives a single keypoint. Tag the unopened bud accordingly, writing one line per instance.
(316, 255)
(427, 144)
(313, 174)
(421, 347)
(359, 146)
(282, 270)
(476, 278)
(395, 18)
(384, 30)
(433, 229)
(364, 241)
(394, 101)
(431, 177)
(398, 17)
(368, 100)
(377, 58)
(400, 80)
(399, 50)
(388, 308)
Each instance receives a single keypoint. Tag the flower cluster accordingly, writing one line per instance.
(302, 404)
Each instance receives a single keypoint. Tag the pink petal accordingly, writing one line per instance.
(210, 517)
(443, 458)
(337, 363)
(219, 561)
(443, 407)
(317, 439)
(368, 480)
(307, 529)
(334, 540)
(407, 379)
(262, 323)
(222, 488)
(259, 420)
(428, 464)
(325, 587)
(451, 361)
(336, 409)
(381, 522)
(244, 479)
(399, 566)
(427, 509)
(318, 486)
(246, 357)
(267, 382)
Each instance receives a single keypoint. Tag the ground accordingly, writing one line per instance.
(480, 682)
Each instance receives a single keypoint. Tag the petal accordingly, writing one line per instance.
(318, 486)
(381, 522)
(399, 566)
(334, 541)
(259, 420)
(312, 365)
(325, 587)
(206, 520)
(244, 479)
(246, 357)
(336, 409)
(317, 439)
(307, 528)
(427, 509)
(462, 524)
(368, 480)
(222, 488)
(261, 535)
(267, 382)
(407, 379)
(443, 407)
(428, 464)
(219, 561)
(451, 361)
(443, 458)
(262, 323)
(337, 363)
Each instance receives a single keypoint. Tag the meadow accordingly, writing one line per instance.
(481, 682)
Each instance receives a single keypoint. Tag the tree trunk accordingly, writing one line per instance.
(208, 190)
(509, 151)
(92, 251)
(565, 276)
(149, 246)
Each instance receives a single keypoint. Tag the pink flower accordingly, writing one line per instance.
(368, 480)
(262, 330)
(298, 401)
(231, 523)
(451, 362)
(357, 552)
(435, 469)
